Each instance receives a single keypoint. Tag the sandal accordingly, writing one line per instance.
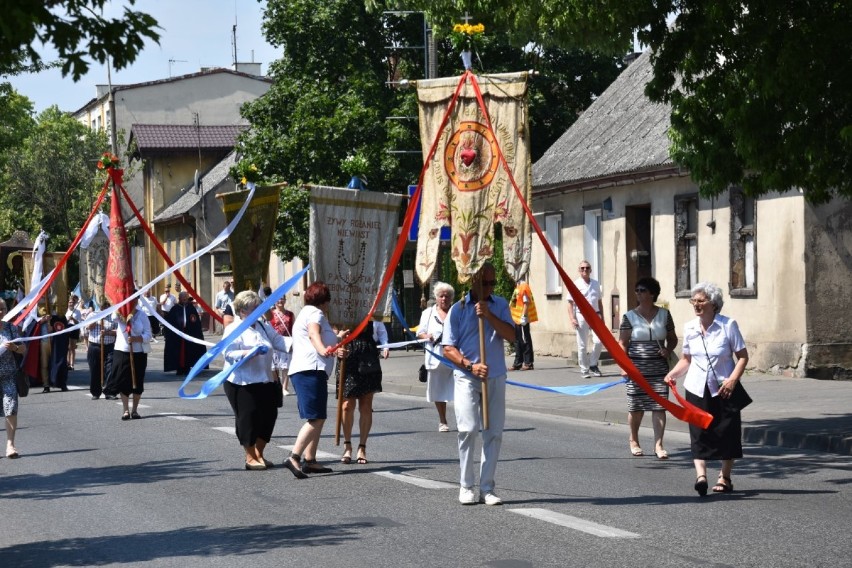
(135, 415)
(347, 454)
(662, 454)
(362, 454)
(636, 451)
(701, 486)
(126, 415)
(723, 485)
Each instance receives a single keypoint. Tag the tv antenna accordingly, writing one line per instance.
(172, 62)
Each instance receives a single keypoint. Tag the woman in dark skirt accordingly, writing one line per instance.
(363, 380)
(714, 359)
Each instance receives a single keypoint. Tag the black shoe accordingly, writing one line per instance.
(313, 467)
(516, 367)
(46, 389)
(256, 467)
(110, 397)
(295, 470)
(595, 371)
(64, 389)
(135, 415)
(95, 397)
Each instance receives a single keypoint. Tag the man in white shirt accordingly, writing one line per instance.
(591, 290)
(167, 300)
(223, 298)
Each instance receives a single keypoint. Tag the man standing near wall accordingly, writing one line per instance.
(223, 298)
(591, 290)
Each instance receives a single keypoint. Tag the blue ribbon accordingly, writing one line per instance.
(213, 383)
(397, 311)
(578, 390)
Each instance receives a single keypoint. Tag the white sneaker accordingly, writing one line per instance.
(443, 428)
(490, 498)
(466, 496)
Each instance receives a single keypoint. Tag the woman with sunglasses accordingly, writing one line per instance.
(647, 335)
(714, 359)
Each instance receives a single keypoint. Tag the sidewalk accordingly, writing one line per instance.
(786, 412)
(791, 413)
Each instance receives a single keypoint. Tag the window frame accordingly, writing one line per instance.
(683, 238)
(738, 244)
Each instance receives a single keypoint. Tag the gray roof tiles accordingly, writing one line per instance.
(152, 137)
(621, 132)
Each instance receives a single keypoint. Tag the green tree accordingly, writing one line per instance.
(16, 119)
(51, 180)
(759, 90)
(76, 29)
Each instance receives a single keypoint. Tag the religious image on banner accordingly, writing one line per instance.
(352, 235)
(251, 242)
(93, 263)
(465, 186)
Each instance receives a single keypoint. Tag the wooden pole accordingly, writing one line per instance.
(101, 339)
(341, 382)
(482, 359)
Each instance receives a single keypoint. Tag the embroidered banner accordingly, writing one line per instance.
(119, 274)
(466, 186)
(251, 241)
(57, 294)
(93, 265)
(351, 238)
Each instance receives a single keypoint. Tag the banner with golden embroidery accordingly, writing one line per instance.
(251, 242)
(119, 283)
(93, 264)
(57, 295)
(465, 186)
(352, 236)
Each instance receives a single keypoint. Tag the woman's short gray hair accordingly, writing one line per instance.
(712, 292)
(246, 301)
(443, 287)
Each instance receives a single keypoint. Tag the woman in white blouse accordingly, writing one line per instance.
(314, 343)
(440, 385)
(714, 359)
(251, 389)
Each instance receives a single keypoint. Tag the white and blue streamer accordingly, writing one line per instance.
(213, 383)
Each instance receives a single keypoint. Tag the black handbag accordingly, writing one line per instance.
(422, 373)
(739, 398)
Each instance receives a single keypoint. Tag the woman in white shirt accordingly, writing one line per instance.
(136, 334)
(314, 344)
(714, 359)
(251, 389)
(440, 385)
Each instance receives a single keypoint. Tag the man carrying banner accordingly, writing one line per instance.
(461, 341)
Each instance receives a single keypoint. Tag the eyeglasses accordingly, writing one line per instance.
(585, 268)
(640, 290)
(489, 282)
(695, 302)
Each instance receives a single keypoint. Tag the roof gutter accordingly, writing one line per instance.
(614, 180)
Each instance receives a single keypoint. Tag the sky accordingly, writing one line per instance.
(194, 34)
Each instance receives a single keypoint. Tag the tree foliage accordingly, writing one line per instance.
(759, 90)
(76, 29)
(333, 96)
(50, 179)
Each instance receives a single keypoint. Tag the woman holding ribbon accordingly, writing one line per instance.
(440, 384)
(647, 335)
(251, 387)
(714, 359)
(132, 345)
(8, 372)
(314, 343)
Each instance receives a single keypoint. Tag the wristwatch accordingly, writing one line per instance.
(469, 367)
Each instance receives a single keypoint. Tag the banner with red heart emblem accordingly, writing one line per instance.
(466, 186)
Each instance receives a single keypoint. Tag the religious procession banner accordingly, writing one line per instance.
(465, 185)
(94, 251)
(57, 294)
(251, 241)
(352, 235)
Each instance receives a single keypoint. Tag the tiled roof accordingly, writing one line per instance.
(621, 132)
(152, 137)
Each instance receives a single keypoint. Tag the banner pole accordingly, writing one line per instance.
(482, 359)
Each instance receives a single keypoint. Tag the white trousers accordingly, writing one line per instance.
(584, 358)
(468, 407)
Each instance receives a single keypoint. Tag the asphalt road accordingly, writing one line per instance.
(169, 490)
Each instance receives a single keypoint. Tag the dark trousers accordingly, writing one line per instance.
(155, 325)
(93, 357)
(523, 345)
(255, 410)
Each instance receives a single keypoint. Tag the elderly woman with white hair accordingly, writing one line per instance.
(440, 385)
(714, 359)
(251, 389)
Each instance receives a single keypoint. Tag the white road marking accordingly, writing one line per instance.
(418, 481)
(176, 416)
(575, 523)
(226, 429)
(320, 454)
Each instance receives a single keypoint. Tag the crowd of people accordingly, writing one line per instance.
(279, 347)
